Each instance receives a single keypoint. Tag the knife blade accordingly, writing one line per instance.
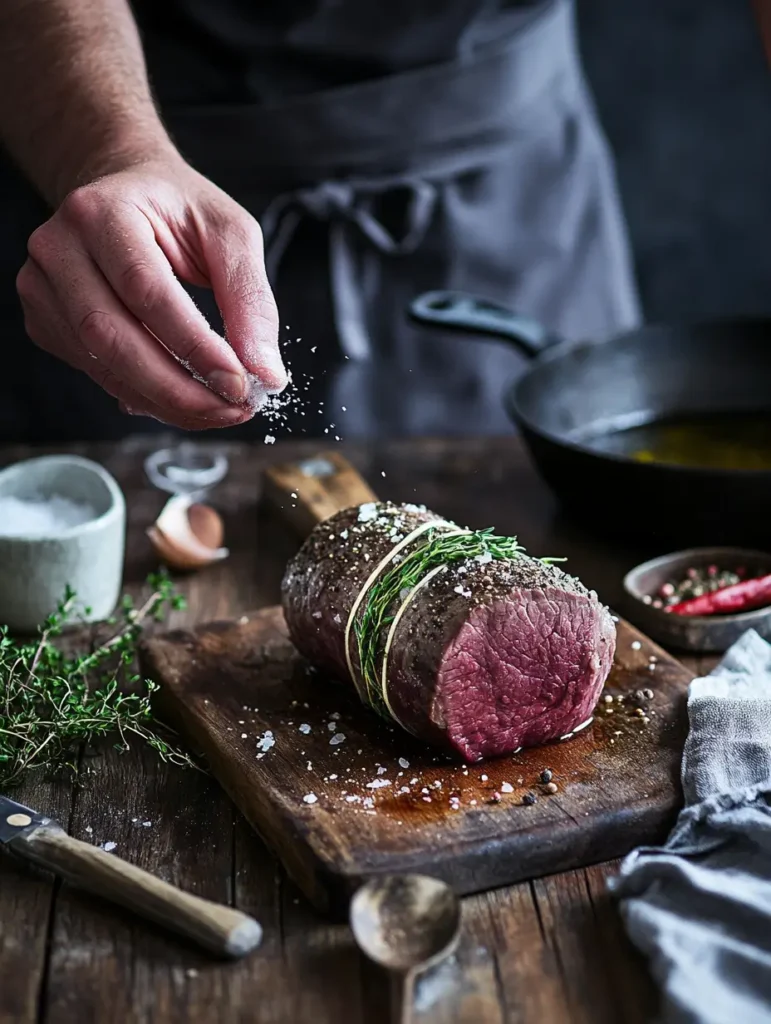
(37, 838)
(16, 818)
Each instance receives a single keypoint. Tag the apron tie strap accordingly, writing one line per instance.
(343, 204)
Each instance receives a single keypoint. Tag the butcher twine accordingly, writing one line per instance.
(450, 529)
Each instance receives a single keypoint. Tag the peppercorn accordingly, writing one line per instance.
(529, 799)
(546, 775)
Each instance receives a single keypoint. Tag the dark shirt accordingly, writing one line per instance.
(258, 51)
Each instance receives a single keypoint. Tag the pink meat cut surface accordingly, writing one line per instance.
(522, 671)
(486, 656)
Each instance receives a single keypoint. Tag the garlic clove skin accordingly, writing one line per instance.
(206, 525)
(188, 535)
(174, 556)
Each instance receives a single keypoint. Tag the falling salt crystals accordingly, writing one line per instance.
(39, 516)
(378, 783)
(506, 787)
(109, 847)
(305, 728)
(636, 645)
(463, 591)
(403, 762)
(269, 439)
(310, 798)
(338, 738)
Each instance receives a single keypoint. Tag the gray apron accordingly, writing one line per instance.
(488, 173)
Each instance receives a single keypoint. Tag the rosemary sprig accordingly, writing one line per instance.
(434, 549)
(51, 704)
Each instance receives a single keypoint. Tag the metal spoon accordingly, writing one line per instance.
(405, 923)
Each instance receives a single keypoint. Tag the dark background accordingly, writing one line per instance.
(685, 97)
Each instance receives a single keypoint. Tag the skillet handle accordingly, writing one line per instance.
(459, 311)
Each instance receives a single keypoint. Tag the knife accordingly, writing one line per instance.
(39, 839)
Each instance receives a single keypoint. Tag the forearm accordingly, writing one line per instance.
(74, 96)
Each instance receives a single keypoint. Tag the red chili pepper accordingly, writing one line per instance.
(740, 597)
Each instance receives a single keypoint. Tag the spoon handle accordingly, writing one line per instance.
(403, 998)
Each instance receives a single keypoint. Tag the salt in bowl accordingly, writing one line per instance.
(83, 550)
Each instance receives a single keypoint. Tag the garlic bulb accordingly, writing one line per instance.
(187, 535)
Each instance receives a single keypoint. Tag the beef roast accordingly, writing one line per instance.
(488, 656)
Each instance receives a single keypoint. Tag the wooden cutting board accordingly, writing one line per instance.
(339, 795)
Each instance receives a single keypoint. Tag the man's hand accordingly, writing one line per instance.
(100, 291)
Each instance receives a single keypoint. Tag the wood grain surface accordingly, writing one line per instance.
(542, 952)
(219, 929)
(379, 802)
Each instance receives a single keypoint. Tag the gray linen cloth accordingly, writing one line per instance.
(700, 906)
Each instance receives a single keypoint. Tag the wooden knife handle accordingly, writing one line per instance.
(306, 493)
(221, 930)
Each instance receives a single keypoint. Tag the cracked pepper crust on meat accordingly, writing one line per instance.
(488, 657)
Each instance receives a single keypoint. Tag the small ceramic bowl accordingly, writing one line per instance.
(704, 633)
(35, 571)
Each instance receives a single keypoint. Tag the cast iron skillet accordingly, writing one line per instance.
(578, 391)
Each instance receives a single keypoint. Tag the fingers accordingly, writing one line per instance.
(84, 325)
(137, 406)
(100, 291)
(122, 243)
(233, 251)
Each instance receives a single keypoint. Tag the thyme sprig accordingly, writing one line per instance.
(51, 703)
(433, 550)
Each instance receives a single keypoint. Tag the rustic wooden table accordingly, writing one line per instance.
(547, 951)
